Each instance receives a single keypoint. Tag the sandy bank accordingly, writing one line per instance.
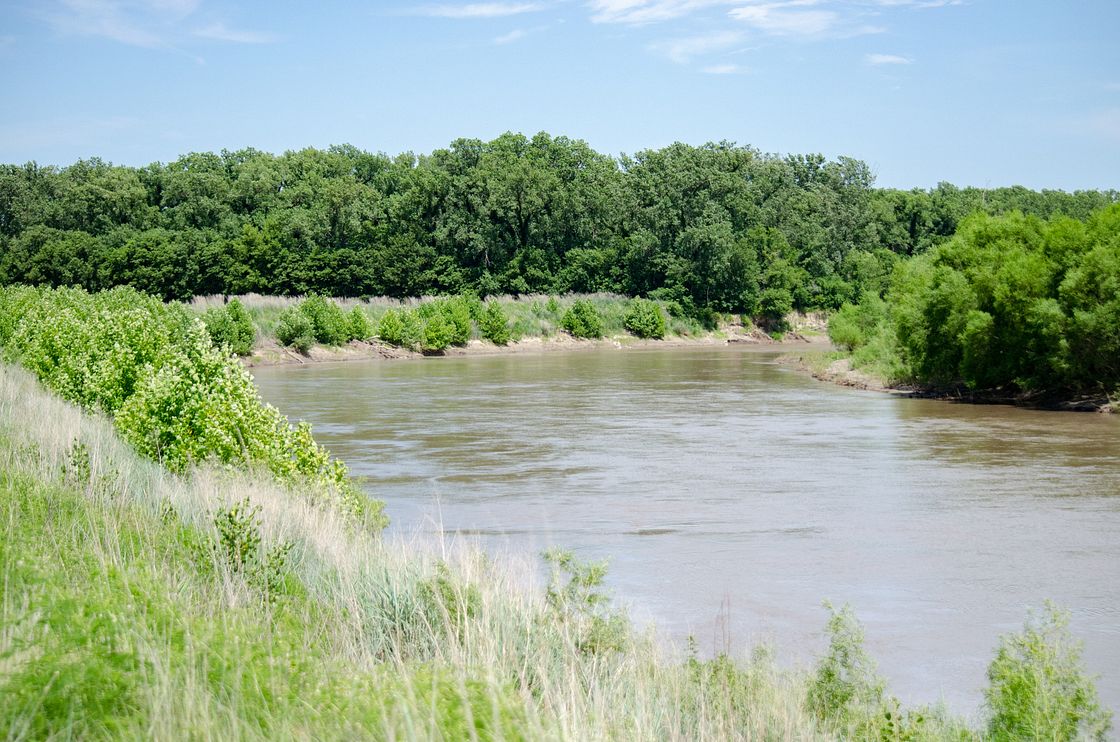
(271, 353)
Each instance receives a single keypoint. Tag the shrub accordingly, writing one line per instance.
(173, 396)
(644, 319)
(845, 681)
(438, 333)
(1037, 688)
(457, 313)
(400, 327)
(294, 329)
(358, 325)
(328, 323)
(239, 546)
(231, 326)
(448, 602)
(574, 593)
(774, 304)
(494, 324)
(582, 321)
(854, 325)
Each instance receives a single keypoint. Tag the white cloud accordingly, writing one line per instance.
(219, 32)
(481, 10)
(805, 18)
(918, 3)
(153, 24)
(648, 11)
(724, 69)
(788, 18)
(1112, 87)
(512, 36)
(683, 50)
(877, 59)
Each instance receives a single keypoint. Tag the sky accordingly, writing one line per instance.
(974, 92)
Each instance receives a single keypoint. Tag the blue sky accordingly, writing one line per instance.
(976, 92)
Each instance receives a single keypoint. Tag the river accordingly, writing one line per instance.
(733, 495)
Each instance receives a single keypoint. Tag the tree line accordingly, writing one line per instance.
(719, 227)
(1013, 303)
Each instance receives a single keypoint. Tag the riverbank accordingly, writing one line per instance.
(533, 324)
(268, 352)
(835, 367)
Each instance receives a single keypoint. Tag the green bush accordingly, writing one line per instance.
(238, 545)
(575, 594)
(173, 395)
(294, 330)
(1038, 689)
(582, 320)
(400, 327)
(645, 319)
(438, 333)
(457, 313)
(494, 324)
(358, 325)
(845, 682)
(854, 325)
(774, 304)
(231, 326)
(328, 323)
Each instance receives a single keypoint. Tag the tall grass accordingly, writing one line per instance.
(366, 638)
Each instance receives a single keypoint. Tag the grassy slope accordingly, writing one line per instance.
(122, 618)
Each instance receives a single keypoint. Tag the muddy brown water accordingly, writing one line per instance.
(733, 494)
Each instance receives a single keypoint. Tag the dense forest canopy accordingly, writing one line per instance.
(717, 227)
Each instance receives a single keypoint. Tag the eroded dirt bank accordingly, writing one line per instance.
(270, 353)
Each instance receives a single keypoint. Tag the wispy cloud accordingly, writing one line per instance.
(684, 49)
(480, 10)
(724, 69)
(220, 32)
(152, 24)
(512, 36)
(918, 3)
(793, 18)
(648, 11)
(798, 18)
(877, 59)
(133, 23)
(1112, 87)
